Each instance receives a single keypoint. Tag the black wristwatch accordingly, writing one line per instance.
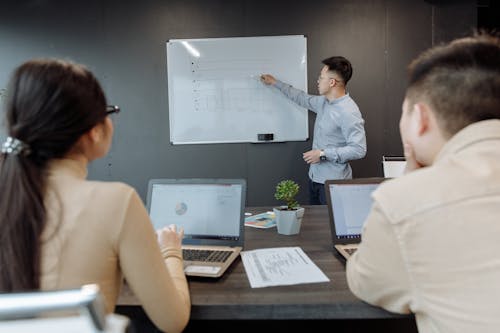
(322, 156)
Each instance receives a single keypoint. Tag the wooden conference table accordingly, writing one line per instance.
(231, 297)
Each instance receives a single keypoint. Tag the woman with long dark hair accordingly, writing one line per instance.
(59, 230)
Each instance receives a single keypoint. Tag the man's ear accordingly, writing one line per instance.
(423, 118)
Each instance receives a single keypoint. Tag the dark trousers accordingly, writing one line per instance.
(316, 193)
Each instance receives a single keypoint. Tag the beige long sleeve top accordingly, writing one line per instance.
(431, 244)
(100, 232)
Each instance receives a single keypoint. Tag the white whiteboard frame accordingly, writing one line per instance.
(215, 95)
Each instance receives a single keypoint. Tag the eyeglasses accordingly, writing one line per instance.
(110, 109)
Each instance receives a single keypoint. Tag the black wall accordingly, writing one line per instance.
(123, 43)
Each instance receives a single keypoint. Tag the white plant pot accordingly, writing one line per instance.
(288, 221)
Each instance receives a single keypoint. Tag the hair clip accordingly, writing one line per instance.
(15, 146)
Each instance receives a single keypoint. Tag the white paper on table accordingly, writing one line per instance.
(280, 266)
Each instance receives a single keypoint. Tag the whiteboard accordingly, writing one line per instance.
(215, 94)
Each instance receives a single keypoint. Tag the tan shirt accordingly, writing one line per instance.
(431, 244)
(100, 232)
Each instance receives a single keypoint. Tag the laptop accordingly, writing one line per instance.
(211, 211)
(393, 166)
(349, 202)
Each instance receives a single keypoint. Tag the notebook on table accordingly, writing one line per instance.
(211, 211)
(349, 202)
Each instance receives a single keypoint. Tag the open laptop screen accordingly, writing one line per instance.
(351, 205)
(349, 202)
(205, 211)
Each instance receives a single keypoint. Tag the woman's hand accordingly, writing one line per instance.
(168, 237)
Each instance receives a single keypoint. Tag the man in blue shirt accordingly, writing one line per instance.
(339, 133)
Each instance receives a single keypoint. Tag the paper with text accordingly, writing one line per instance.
(280, 266)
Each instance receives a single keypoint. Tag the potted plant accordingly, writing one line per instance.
(289, 216)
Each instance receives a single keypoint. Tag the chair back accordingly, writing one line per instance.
(72, 310)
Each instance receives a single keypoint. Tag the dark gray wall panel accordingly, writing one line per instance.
(123, 42)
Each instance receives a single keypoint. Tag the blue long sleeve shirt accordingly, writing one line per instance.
(338, 130)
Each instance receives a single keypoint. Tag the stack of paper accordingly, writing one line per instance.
(280, 266)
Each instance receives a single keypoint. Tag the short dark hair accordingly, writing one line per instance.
(460, 81)
(339, 65)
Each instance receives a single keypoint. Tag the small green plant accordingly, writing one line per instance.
(286, 190)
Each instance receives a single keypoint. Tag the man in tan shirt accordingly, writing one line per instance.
(431, 243)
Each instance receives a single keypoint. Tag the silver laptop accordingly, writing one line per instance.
(211, 211)
(349, 202)
(393, 166)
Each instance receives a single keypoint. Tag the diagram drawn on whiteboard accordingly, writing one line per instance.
(215, 94)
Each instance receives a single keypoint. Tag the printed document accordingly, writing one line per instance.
(280, 266)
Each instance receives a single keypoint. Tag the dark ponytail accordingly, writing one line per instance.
(50, 105)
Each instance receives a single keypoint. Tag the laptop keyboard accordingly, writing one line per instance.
(205, 255)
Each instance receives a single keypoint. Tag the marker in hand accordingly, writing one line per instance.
(268, 79)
